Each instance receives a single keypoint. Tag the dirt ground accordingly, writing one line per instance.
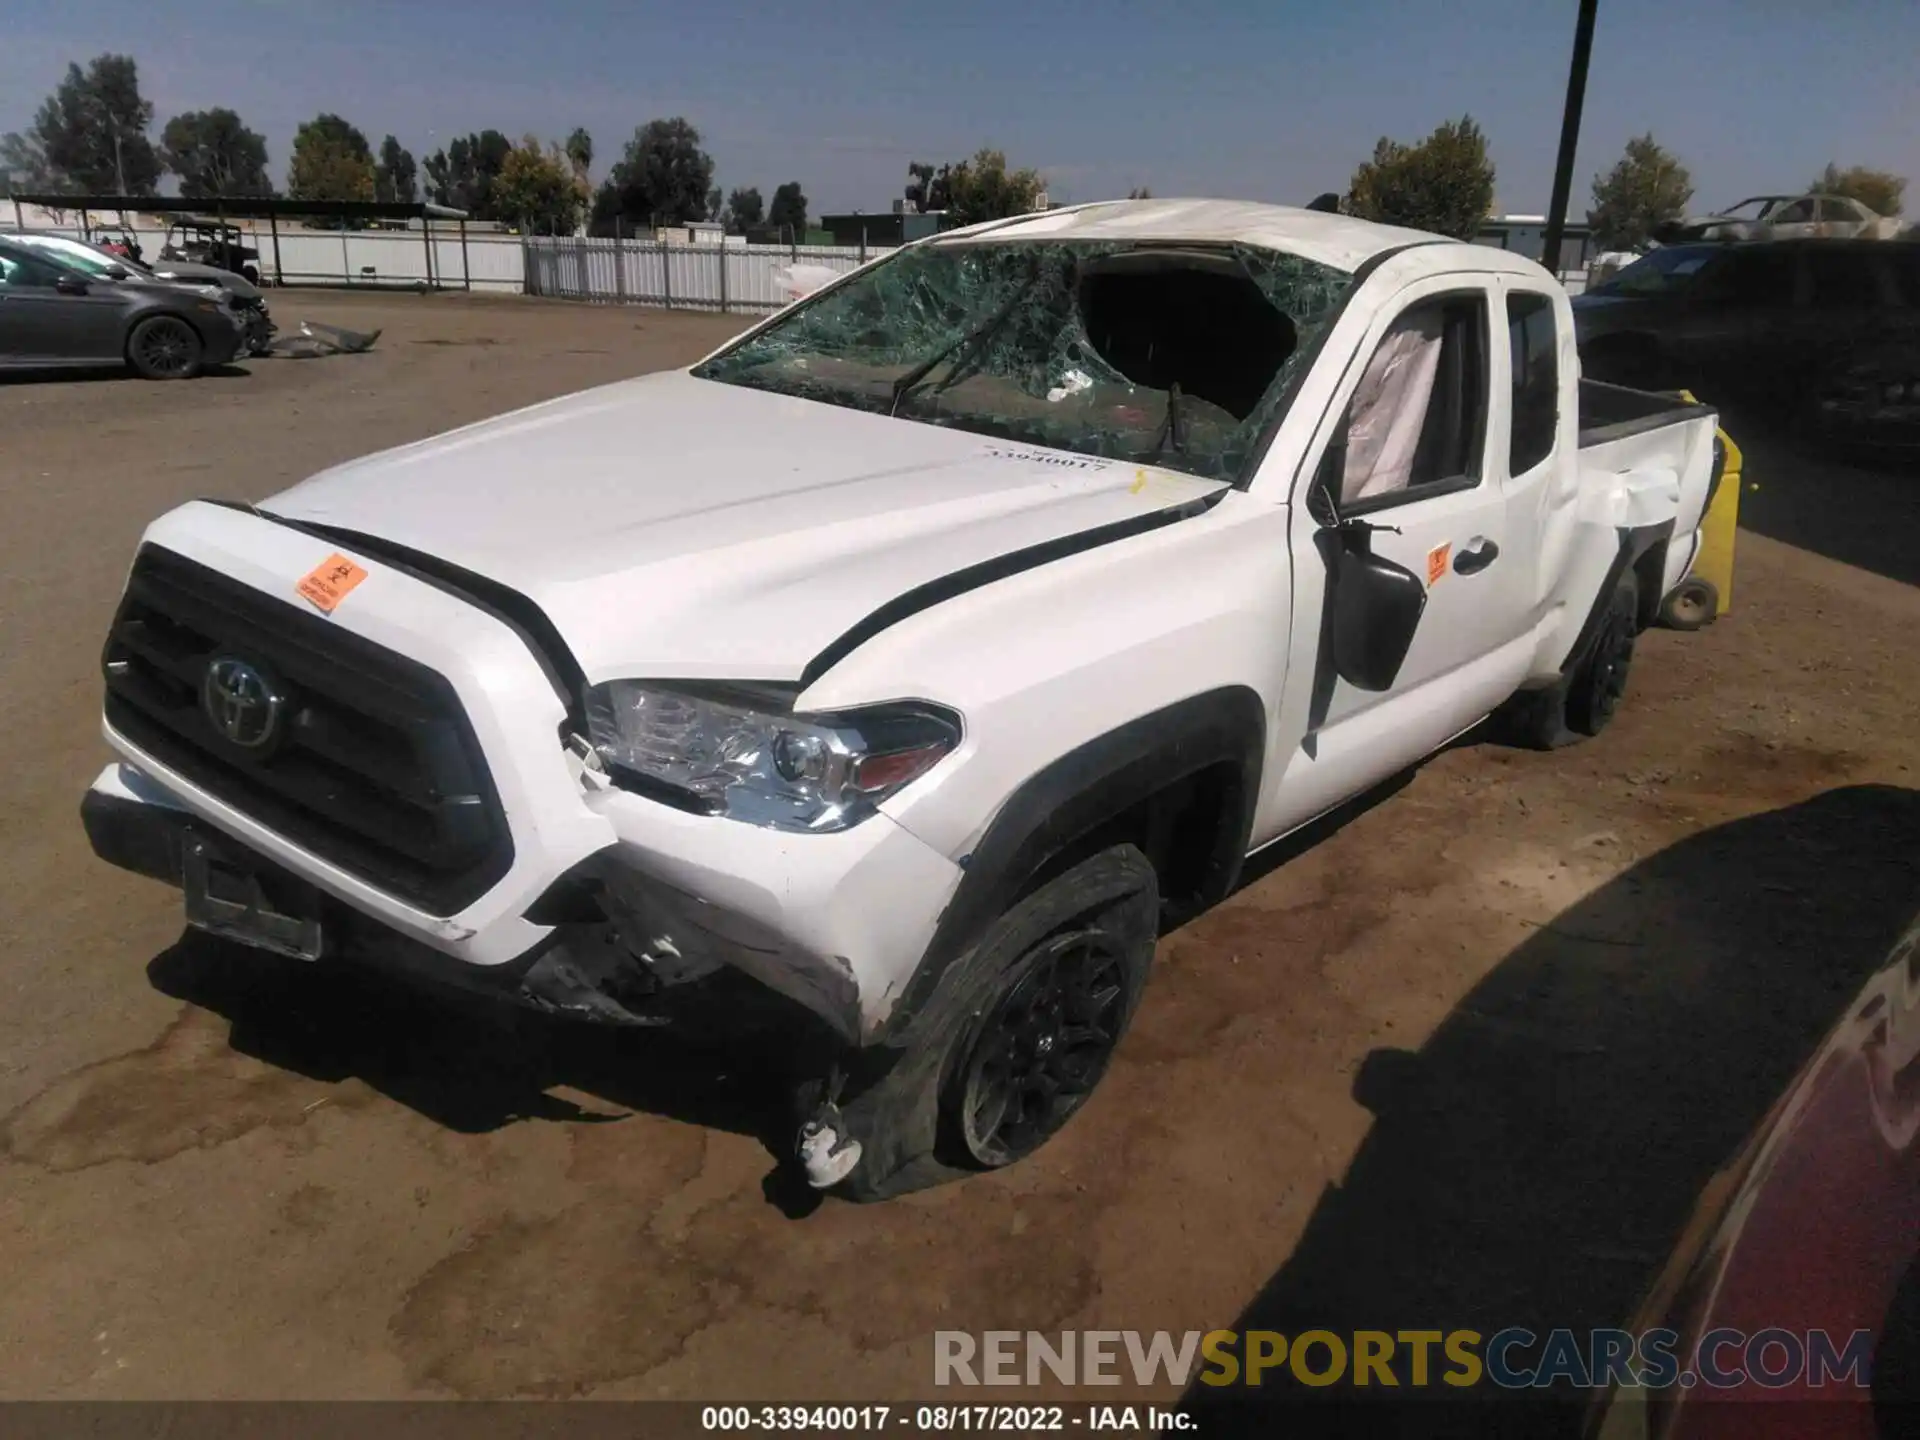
(1466, 1062)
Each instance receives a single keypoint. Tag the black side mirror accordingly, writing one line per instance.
(1377, 606)
(70, 285)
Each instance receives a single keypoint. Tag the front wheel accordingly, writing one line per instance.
(1018, 1034)
(164, 347)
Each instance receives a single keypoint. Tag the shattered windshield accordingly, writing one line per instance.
(1175, 355)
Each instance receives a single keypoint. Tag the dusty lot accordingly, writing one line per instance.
(1465, 1063)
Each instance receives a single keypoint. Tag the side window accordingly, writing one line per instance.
(1418, 418)
(1842, 279)
(18, 272)
(1531, 339)
(1749, 277)
(1798, 213)
(1838, 210)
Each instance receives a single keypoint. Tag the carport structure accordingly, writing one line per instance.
(344, 215)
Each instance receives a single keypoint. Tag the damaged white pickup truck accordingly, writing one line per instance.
(921, 654)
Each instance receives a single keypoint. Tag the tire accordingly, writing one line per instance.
(164, 347)
(1600, 684)
(1589, 694)
(1018, 1034)
(1692, 606)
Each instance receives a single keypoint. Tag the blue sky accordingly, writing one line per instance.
(1260, 99)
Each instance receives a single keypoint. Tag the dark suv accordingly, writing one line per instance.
(1819, 331)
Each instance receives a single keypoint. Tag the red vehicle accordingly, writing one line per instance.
(1814, 1227)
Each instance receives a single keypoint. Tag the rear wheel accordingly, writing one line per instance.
(1586, 697)
(1601, 683)
(1019, 1034)
(164, 347)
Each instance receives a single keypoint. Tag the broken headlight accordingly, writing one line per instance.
(739, 753)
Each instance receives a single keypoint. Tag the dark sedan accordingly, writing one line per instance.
(1780, 325)
(56, 314)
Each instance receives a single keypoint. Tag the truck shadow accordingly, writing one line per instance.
(475, 1065)
(1534, 1162)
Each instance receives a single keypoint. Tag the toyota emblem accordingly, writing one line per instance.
(243, 704)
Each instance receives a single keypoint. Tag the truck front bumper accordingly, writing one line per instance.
(836, 923)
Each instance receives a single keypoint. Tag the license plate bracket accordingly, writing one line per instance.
(228, 898)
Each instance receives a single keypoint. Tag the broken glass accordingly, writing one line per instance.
(1177, 355)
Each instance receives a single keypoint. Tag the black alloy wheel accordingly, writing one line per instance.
(1044, 1047)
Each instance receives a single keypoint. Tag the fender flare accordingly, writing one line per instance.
(1635, 545)
(1091, 784)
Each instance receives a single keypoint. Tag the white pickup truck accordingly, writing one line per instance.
(923, 653)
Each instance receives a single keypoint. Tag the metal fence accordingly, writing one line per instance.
(694, 277)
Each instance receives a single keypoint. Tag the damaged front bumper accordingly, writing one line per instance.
(835, 924)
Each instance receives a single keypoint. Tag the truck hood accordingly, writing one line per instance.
(674, 527)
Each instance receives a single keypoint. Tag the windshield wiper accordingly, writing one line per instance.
(964, 343)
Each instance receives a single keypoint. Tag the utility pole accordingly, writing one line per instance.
(1569, 136)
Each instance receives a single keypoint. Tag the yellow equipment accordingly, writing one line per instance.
(1707, 592)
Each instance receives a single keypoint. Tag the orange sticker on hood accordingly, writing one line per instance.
(329, 582)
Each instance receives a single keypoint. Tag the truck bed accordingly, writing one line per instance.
(1613, 412)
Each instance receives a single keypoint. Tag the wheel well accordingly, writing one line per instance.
(1188, 830)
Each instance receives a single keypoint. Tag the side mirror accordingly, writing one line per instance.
(70, 285)
(1377, 606)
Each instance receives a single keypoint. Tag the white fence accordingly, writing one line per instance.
(694, 277)
(487, 260)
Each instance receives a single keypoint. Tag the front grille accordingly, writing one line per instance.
(374, 767)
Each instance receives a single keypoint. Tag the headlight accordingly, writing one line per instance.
(738, 753)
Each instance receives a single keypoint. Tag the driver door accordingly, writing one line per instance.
(1416, 485)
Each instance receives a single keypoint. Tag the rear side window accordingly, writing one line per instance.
(1842, 279)
(1531, 339)
(1760, 276)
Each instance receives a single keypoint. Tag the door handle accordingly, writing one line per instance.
(1468, 562)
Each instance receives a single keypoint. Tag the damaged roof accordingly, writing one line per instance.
(1342, 241)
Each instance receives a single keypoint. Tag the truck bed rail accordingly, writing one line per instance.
(1613, 412)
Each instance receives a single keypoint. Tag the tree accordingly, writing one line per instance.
(213, 153)
(1444, 184)
(1645, 189)
(395, 177)
(789, 208)
(716, 204)
(24, 167)
(580, 151)
(663, 177)
(331, 161)
(745, 210)
(90, 135)
(982, 188)
(462, 174)
(1881, 191)
(538, 190)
